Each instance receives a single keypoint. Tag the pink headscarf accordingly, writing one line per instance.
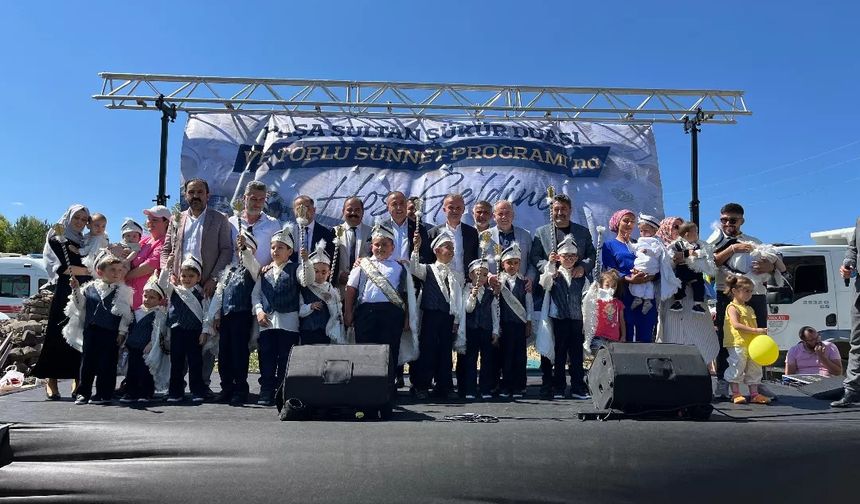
(666, 225)
(616, 218)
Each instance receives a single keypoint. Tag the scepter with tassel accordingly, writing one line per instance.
(338, 232)
(550, 194)
(238, 206)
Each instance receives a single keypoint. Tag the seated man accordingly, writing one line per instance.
(813, 356)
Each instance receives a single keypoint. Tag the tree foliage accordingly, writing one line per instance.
(26, 236)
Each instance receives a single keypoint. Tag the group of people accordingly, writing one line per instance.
(203, 286)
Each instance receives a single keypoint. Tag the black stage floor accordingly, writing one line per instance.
(796, 450)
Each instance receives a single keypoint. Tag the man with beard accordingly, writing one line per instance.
(353, 242)
(204, 233)
(481, 213)
(728, 241)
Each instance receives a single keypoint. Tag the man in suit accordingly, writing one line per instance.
(354, 240)
(313, 232)
(504, 233)
(542, 243)
(404, 230)
(851, 395)
(204, 233)
(465, 236)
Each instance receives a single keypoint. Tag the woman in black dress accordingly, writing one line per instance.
(58, 359)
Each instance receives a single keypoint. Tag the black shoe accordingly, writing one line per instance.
(238, 400)
(677, 306)
(266, 398)
(850, 399)
(422, 395)
(545, 392)
(224, 397)
(579, 393)
(699, 308)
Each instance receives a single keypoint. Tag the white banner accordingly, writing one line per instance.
(602, 167)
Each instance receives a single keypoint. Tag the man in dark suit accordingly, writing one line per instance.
(851, 395)
(404, 230)
(542, 243)
(313, 232)
(466, 247)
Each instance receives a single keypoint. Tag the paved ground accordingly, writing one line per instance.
(796, 450)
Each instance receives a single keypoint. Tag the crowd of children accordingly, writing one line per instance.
(485, 318)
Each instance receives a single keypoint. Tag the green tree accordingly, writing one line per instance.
(27, 235)
(4, 234)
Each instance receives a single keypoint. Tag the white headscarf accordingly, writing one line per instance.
(53, 262)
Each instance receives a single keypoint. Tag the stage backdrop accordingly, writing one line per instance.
(602, 167)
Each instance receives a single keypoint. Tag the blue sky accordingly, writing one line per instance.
(794, 164)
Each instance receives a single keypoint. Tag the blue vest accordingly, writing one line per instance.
(432, 298)
(507, 315)
(318, 318)
(482, 316)
(180, 315)
(140, 333)
(283, 295)
(567, 299)
(236, 293)
(98, 310)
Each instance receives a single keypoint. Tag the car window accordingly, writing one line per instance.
(15, 286)
(804, 276)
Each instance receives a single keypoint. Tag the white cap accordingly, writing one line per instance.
(382, 231)
(568, 246)
(130, 226)
(443, 237)
(512, 252)
(650, 220)
(284, 236)
(152, 285)
(319, 255)
(250, 241)
(158, 211)
(192, 262)
(478, 264)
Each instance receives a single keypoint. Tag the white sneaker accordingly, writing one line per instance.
(470, 397)
(175, 399)
(486, 396)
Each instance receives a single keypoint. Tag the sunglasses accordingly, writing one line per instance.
(729, 220)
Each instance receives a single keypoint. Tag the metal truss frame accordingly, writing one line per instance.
(310, 97)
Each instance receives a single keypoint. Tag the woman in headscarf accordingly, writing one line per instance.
(619, 254)
(62, 252)
(684, 327)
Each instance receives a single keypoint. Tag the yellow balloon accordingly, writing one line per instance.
(763, 350)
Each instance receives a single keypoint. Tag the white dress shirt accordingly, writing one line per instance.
(193, 235)
(401, 240)
(389, 268)
(263, 229)
(457, 264)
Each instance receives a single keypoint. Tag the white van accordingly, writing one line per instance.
(815, 293)
(20, 277)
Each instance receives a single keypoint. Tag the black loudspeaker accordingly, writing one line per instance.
(5, 447)
(336, 376)
(829, 388)
(651, 379)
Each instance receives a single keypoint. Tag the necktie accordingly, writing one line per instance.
(352, 246)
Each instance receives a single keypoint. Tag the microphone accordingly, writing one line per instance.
(851, 270)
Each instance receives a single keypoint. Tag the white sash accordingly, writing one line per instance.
(190, 301)
(513, 302)
(382, 282)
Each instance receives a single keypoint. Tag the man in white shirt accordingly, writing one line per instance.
(261, 225)
(728, 241)
(404, 229)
